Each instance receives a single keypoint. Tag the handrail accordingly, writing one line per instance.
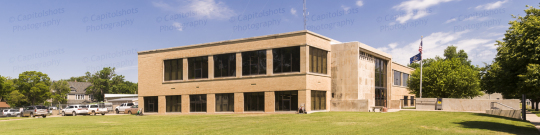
(493, 105)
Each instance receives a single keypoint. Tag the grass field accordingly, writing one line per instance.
(403, 122)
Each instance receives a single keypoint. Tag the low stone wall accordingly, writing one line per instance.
(451, 104)
(360, 105)
(395, 104)
(426, 103)
(505, 113)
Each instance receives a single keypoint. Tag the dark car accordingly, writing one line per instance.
(36, 110)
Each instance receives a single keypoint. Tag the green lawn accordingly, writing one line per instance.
(404, 122)
(535, 112)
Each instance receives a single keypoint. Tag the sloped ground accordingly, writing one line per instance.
(404, 122)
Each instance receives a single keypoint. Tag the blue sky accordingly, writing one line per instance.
(68, 38)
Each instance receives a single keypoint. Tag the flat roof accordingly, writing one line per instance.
(236, 40)
(403, 65)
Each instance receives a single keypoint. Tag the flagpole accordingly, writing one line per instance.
(421, 68)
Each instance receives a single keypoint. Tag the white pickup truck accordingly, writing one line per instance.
(95, 109)
(123, 107)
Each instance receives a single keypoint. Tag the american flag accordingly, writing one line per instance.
(420, 50)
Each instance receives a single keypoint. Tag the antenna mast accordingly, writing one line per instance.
(304, 14)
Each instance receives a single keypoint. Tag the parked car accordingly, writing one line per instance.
(95, 109)
(37, 110)
(75, 110)
(10, 112)
(123, 107)
(132, 110)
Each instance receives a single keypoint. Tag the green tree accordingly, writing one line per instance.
(6, 86)
(16, 98)
(451, 52)
(103, 81)
(448, 78)
(35, 86)
(78, 79)
(516, 64)
(60, 91)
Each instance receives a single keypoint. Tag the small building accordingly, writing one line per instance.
(278, 73)
(4, 105)
(117, 99)
(78, 95)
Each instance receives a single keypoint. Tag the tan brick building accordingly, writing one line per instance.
(267, 74)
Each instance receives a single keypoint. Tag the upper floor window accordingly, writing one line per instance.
(198, 67)
(174, 69)
(225, 65)
(380, 72)
(405, 79)
(397, 77)
(254, 62)
(286, 59)
(72, 89)
(317, 60)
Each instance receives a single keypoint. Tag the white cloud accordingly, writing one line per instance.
(345, 7)
(209, 9)
(392, 45)
(493, 5)
(178, 26)
(478, 49)
(293, 11)
(415, 5)
(359, 3)
(451, 20)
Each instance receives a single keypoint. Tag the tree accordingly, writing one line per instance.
(448, 78)
(103, 81)
(451, 52)
(5, 87)
(515, 69)
(78, 79)
(16, 98)
(35, 86)
(60, 91)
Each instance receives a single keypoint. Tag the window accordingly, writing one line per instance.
(405, 101)
(173, 103)
(397, 77)
(79, 97)
(72, 89)
(254, 62)
(318, 100)
(317, 60)
(150, 104)
(405, 79)
(225, 102)
(225, 65)
(197, 103)
(380, 81)
(412, 100)
(174, 69)
(254, 101)
(286, 59)
(198, 67)
(286, 100)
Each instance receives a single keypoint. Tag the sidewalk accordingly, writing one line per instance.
(534, 119)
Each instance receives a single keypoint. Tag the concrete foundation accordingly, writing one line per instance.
(360, 105)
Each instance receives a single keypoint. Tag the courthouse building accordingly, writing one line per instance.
(270, 74)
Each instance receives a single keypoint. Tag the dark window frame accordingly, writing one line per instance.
(151, 100)
(286, 59)
(254, 63)
(254, 101)
(198, 67)
(225, 102)
(170, 73)
(286, 100)
(318, 60)
(397, 78)
(171, 106)
(321, 96)
(198, 103)
(225, 65)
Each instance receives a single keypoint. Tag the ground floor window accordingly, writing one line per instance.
(254, 101)
(412, 100)
(225, 102)
(318, 100)
(174, 103)
(405, 100)
(286, 100)
(150, 104)
(380, 97)
(197, 103)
